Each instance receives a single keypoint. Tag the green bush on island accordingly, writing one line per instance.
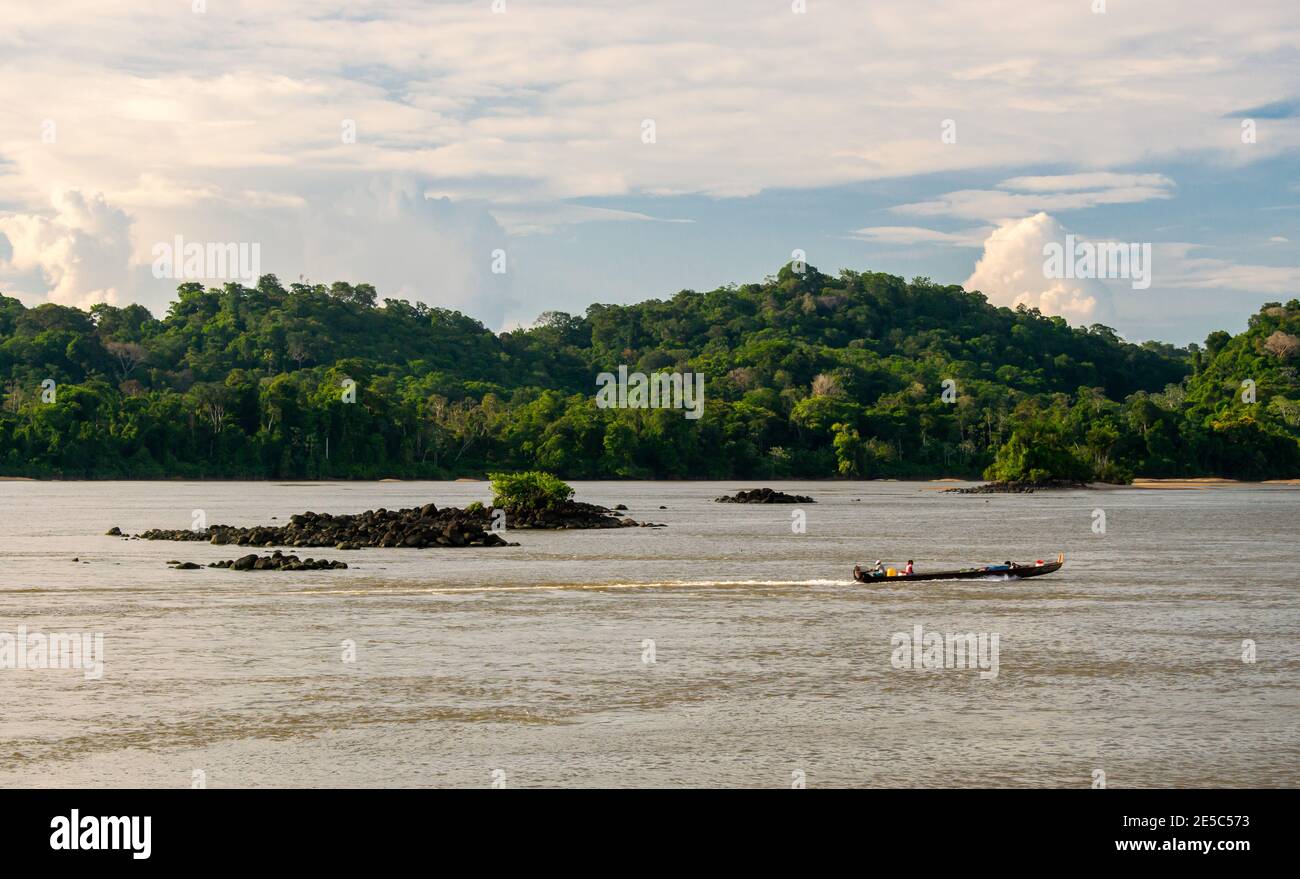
(1038, 455)
(531, 491)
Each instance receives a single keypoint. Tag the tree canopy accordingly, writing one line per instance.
(806, 375)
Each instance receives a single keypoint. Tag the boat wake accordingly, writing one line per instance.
(669, 584)
(406, 589)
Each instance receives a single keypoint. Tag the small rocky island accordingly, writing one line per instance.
(522, 501)
(571, 514)
(416, 527)
(1019, 487)
(764, 496)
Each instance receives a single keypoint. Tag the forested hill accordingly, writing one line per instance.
(805, 375)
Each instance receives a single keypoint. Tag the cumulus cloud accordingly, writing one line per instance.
(77, 254)
(1011, 273)
(378, 229)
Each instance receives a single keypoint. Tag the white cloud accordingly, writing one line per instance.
(536, 219)
(378, 229)
(920, 235)
(1090, 180)
(77, 253)
(1181, 266)
(1044, 194)
(387, 233)
(1010, 273)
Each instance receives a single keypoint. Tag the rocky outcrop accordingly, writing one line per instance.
(277, 561)
(414, 528)
(571, 514)
(1017, 487)
(764, 496)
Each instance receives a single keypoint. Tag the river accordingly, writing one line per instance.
(726, 649)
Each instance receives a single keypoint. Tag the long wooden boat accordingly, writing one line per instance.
(1015, 570)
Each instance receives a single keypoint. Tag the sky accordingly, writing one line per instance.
(510, 157)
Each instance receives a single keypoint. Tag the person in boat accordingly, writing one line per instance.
(879, 569)
(908, 569)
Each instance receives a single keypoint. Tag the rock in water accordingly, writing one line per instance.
(278, 561)
(764, 496)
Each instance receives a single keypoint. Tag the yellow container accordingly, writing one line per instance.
(890, 572)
